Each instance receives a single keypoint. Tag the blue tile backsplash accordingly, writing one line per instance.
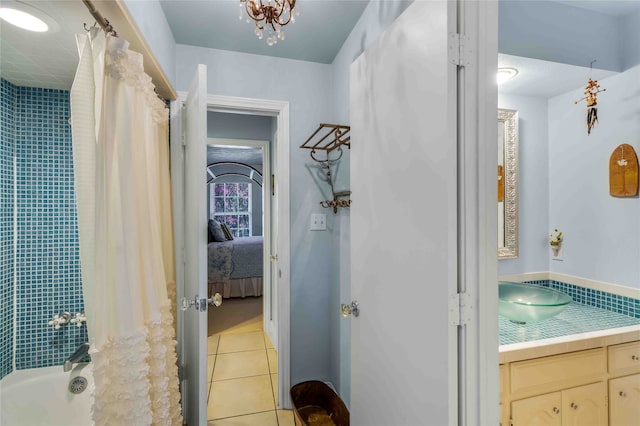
(7, 131)
(596, 298)
(47, 264)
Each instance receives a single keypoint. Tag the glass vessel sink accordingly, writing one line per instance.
(523, 303)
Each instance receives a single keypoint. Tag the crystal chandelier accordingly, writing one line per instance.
(269, 16)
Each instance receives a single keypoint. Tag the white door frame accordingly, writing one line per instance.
(279, 110)
(270, 327)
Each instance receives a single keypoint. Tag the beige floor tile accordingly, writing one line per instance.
(241, 342)
(211, 362)
(267, 341)
(274, 387)
(285, 418)
(267, 418)
(212, 344)
(241, 364)
(238, 397)
(273, 361)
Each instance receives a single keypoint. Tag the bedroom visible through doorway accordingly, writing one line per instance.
(242, 360)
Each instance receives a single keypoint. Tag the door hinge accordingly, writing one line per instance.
(184, 139)
(460, 52)
(460, 309)
(273, 185)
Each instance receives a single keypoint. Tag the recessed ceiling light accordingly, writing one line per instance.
(23, 20)
(506, 74)
(27, 17)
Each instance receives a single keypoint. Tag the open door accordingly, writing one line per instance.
(404, 223)
(189, 165)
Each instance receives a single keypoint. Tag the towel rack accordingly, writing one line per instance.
(330, 138)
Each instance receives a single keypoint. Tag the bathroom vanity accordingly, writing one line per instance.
(586, 379)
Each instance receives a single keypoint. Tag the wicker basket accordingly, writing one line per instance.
(316, 404)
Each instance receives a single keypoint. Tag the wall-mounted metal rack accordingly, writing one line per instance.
(330, 138)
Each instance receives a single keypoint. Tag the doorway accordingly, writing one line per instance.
(256, 326)
(242, 358)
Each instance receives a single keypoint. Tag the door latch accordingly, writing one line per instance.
(352, 309)
(201, 304)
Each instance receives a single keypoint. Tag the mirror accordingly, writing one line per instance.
(507, 184)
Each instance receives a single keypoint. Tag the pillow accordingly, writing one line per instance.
(215, 231)
(227, 231)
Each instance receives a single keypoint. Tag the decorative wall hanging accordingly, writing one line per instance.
(555, 241)
(623, 172)
(591, 91)
(329, 138)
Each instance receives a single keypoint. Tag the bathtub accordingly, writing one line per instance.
(41, 396)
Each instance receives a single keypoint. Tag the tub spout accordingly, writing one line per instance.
(80, 353)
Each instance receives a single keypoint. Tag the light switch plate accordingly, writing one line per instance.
(318, 222)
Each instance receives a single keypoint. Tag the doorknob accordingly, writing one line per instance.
(201, 304)
(216, 300)
(351, 309)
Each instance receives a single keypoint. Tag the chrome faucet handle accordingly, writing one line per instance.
(61, 319)
(79, 319)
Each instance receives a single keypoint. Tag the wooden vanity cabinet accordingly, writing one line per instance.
(585, 405)
(598, 386)
(624, 401)
(543, 410)
(580, 406)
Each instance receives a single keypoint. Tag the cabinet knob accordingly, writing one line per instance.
(574, 406)
(556, 410)
(635, 357)
(622, 394)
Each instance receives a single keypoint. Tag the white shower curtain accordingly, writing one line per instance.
(120, 147)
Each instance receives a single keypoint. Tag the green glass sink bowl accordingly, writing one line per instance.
(523, 303)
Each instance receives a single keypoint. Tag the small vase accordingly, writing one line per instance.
(556, 250)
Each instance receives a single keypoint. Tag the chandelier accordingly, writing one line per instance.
(269, 16)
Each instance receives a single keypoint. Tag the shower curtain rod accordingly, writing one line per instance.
(101, 20)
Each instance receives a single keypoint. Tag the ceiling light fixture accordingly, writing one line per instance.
(23, 20)
(505, 74)
(269, 15)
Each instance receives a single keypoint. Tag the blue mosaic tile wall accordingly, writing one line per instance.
(596, 298)
(47, 251)
(7, 131)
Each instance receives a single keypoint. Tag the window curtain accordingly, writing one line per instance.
(121, 160)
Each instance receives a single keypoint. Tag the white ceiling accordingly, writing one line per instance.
(608, 7)
(251, 156)
(316, 36)
(545, 79)
(49, 59)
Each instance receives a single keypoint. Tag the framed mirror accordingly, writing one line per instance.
(507, 184)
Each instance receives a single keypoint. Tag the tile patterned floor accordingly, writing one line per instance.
(242, 369)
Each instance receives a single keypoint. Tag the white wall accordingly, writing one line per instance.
(307, 87)
(629, 40)
(149, 17)
(602, 233)
(533, 184)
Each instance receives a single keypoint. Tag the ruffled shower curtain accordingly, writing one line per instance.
(121, 160)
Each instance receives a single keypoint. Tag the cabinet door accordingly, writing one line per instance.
(585, 405)
(543, 410)
(624, 401)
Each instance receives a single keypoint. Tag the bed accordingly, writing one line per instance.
(235, 267)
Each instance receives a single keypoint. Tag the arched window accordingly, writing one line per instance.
(231, 195)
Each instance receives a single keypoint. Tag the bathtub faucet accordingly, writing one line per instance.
(80, 353)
